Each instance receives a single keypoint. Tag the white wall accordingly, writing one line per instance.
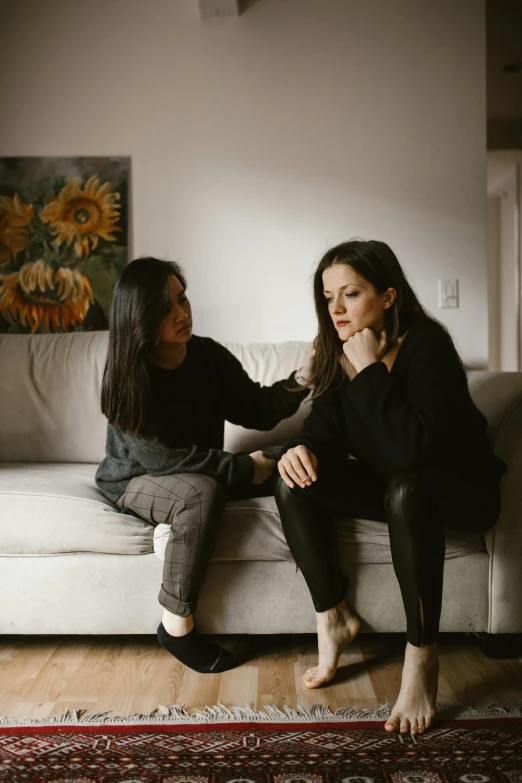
(504, 181)
(259, 142)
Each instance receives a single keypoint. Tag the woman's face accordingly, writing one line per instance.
(353, 302)
(176, 327)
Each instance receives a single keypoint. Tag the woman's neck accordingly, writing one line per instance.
(168, 356)
(389, 359)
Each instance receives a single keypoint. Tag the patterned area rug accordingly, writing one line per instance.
(204, 749)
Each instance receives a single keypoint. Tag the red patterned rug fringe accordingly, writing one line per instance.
(167, 728)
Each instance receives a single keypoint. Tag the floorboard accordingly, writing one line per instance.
(45, 676)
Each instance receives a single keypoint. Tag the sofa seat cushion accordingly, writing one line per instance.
(251, 530)
(55, 508)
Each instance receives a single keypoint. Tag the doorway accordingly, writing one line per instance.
(504, 188)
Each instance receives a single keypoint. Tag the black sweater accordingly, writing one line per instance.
(418, 416)
(186, 420)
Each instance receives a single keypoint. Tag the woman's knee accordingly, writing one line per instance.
(285, 494)
(206, 491)
(403, 493)
(187, 490)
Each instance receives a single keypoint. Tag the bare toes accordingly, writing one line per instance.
(310, 675)
(405, 726)
(313, 682)
(314, 678)
(414, 726)
(392, 724)
(429, 720)
(422, 726)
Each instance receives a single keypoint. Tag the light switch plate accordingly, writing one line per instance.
(448, 293)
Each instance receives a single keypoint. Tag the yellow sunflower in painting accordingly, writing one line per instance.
(15, 217)
(38, 295)
(82, 216)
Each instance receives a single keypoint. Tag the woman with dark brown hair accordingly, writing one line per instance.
(391, 392)
(166, 394)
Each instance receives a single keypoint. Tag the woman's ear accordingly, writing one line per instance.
(389, 297)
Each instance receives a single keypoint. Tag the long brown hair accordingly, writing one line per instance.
(139, 303)
(378, 264)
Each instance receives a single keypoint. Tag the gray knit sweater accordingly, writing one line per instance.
(188, 410)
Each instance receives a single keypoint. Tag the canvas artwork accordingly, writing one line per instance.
(63, 241)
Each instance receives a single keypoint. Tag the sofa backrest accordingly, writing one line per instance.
(50, 395)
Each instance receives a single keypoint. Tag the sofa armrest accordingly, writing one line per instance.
(504, 541)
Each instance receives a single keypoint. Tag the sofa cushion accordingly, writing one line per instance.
(57, 508)
(267, 363)
(50, 509)
(50, 390)
(251, 530)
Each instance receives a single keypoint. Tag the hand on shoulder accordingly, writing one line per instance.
(304, 374)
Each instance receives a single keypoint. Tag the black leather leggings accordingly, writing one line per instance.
(418, 508)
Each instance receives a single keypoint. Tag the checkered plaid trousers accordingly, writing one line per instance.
(192, 505)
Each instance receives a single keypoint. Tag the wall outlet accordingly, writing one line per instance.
(448, 293)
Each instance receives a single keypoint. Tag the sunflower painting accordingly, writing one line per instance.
(63, 241)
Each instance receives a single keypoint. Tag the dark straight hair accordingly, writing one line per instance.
(140, 302)
(378, 264)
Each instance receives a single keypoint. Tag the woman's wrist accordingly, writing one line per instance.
(360, 366)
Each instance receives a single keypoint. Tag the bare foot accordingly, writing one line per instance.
(335, 630)
(415, 708)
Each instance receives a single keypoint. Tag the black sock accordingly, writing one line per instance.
(196, 653)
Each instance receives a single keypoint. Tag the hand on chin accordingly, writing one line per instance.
(365, 348)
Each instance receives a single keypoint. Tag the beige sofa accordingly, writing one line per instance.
(71, 564)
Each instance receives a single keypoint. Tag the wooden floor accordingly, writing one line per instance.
(44, 676)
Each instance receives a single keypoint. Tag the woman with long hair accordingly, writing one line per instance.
(166, 394)
(394, 436)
